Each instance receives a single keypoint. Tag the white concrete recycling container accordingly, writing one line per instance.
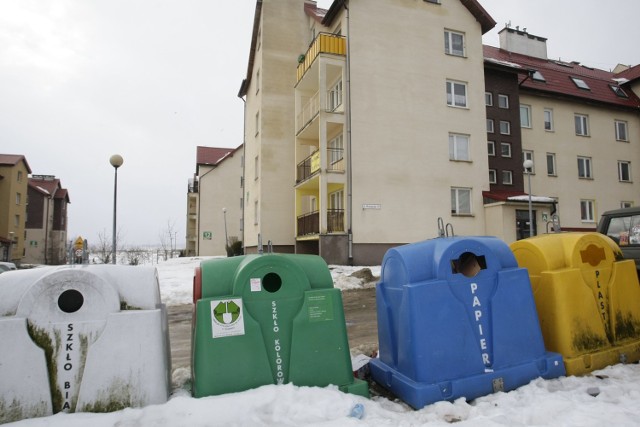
(86, 338)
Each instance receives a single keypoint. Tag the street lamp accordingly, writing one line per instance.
(116, 161)
(528, 168)
(226, 239)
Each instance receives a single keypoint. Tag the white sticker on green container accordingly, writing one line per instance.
(320, 307)
(256, 284)
(226, 318)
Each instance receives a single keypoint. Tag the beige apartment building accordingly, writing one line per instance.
(579, 125)
(214, 201)
(14, 174)
(360, 134)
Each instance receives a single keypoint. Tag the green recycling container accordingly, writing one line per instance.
(268, 319)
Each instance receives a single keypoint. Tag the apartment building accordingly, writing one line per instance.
(379, 129)
(46, 221)
(578, 125)
(214, 201)
(14, 174)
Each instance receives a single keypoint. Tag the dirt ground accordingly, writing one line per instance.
(359, 310)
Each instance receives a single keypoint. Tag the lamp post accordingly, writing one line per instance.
(116, 161)
(528, 167)
(226, 238)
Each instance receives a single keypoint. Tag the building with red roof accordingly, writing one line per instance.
(214, 201)
(46, 222)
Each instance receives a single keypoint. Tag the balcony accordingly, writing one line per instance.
(323, 43)
(309, 223)
(308, 167)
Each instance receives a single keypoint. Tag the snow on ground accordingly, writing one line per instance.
(607, 397)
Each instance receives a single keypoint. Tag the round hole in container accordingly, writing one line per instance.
(70, 301)
(271, 282)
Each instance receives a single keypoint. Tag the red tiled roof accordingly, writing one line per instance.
(13, 159)
(51, 186)
(312, 10)
(558, 78)
(212, 155)
(630, 74)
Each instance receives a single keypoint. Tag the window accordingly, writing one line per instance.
(257, 122)
(493, 176)
(618, 91)
(19, 176)
(488, 99)
(551, 164)
(505, 149)
(580, 83)
(548, 119)
(525, 116)
(334, 98)
(336, 151)
(18, 198)
(16, 221)
(256, 166)
(456, 94)
(461, 201)
(624, 205)
(453, 43)
(528, 155)
(458, 147)
(255, 213)
(584, 168)
(505, 127)
(621, 131)
(491, 148)
(489, 125)
(258, 81)
(537, 76)
(433, 1)
(624, 171)
(507, 177)
(503, 101)
(587, 210)
(582, 125)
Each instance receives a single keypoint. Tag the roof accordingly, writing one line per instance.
(312, 10)
(630, 74)
(49, 185)
(13, 159)
(558, 78)
(476, 9)
(213, 155)
(515, 196)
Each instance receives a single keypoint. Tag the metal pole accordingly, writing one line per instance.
(116, 161)
(226, 238)
(115, 201)
(530, 209)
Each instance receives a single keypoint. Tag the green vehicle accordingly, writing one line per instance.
(623, 226)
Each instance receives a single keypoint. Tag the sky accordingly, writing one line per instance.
(153, 79)
(605, 397)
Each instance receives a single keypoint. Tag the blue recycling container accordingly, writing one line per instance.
(457, 318)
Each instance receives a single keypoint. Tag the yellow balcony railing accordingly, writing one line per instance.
(323, 43)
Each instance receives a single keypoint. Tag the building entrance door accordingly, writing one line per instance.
(522, 224)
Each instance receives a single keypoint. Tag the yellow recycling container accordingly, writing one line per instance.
(587, 297)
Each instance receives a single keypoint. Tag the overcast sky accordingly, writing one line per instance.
(81, 80)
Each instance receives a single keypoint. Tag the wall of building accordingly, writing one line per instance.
(271, 140)
(219, 188)
(402, 174)
(9, 187)
(601, 146)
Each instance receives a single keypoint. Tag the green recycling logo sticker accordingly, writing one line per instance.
(226, 318)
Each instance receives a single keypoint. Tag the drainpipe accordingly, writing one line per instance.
(244, 160)
(46, 232)
(349, 163)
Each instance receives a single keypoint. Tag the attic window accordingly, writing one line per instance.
(537, 76)
(618, 91)
(433, 1)
(580, 83)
